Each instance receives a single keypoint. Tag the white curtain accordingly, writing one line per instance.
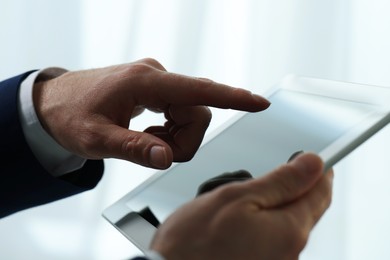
(248, 43)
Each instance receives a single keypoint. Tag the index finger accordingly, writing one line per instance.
(178, 89)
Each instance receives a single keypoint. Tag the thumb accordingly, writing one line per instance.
(138, 147)
(288, 182)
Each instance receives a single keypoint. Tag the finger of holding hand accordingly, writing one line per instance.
(308, 209)
(288, 182)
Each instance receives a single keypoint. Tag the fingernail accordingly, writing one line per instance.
(294, 155)
(307, 164)
(261, 99)
(158, 157)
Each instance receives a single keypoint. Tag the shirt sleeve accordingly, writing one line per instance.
(52, 156)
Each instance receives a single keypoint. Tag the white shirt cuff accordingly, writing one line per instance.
(52, 156)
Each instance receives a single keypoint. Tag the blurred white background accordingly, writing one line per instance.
(248, 43)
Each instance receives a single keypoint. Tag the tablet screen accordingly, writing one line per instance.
(256, 142)
(329, 118)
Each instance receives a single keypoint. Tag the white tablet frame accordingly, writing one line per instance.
(140, 232)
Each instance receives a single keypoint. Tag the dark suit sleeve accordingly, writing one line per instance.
(24, 183)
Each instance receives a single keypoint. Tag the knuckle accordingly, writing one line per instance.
(325, 188)
(135, 70)
(132, 70)
(131, 144)
(91, 142)
(328, 200)
(152, 62)
(229, 191)
(287, 185)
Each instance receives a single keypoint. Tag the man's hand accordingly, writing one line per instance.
(89, 112)
(267, 218)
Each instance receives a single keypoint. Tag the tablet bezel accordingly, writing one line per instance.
(118, 213)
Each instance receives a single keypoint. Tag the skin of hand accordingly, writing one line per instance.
(266, 218)
(88, 112)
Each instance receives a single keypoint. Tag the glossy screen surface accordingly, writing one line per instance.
(256, 142)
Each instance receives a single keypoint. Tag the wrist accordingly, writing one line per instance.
(41, 88)
(49, 153)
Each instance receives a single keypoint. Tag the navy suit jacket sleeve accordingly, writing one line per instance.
(24, 183)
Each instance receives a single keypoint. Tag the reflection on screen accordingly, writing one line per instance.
(257, 142)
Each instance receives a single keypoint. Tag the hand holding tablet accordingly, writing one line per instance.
(328, 118)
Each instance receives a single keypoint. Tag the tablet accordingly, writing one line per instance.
(329, 118)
